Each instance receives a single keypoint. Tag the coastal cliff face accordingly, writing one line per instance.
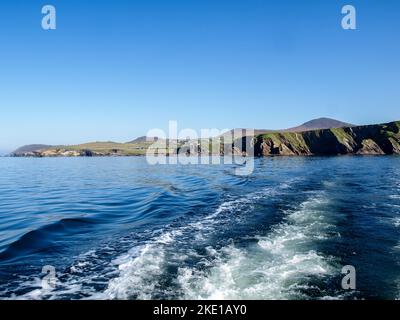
(363, 140)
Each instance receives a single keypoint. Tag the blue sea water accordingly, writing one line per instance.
(118, 228)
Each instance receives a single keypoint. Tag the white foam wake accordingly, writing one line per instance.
(278, 266)
(143, 269)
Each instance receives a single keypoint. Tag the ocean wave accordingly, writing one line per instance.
(396, 222)
(38, 240)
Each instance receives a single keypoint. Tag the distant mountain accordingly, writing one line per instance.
(318, 124)
(143, 139)
(315, 124)
(30, 148)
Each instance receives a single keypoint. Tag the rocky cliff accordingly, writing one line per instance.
(372, 139)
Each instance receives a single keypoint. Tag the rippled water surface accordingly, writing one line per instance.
(118, 228)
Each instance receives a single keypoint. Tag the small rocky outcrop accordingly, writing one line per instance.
(369, 146)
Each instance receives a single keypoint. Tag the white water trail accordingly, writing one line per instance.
(142, 268)
(278, 266)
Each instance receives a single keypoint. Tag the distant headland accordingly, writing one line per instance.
(321, 136)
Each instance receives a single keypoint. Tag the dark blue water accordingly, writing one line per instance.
(118, 228)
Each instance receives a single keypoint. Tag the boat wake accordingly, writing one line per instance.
(191, 260)
(279, 265)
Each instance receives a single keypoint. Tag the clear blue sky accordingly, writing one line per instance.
(115, 69)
